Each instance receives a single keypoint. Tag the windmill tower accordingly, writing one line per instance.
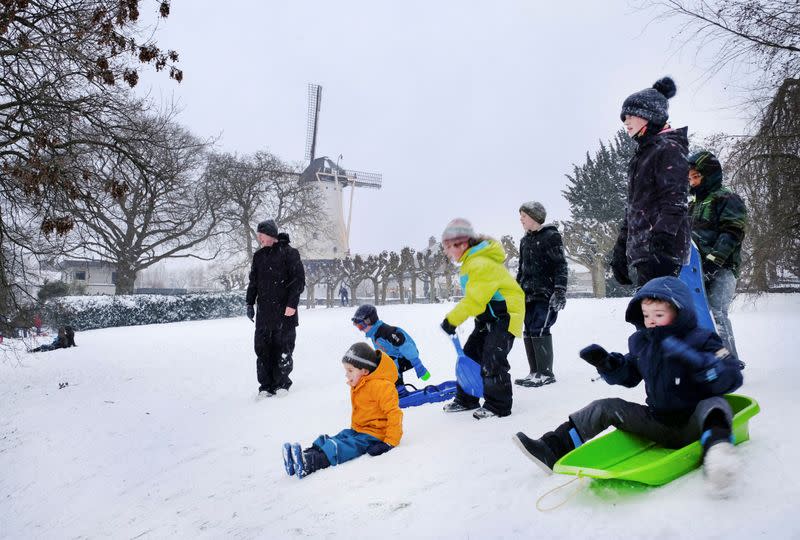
(331, 241)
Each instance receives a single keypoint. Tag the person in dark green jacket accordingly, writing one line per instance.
(494, 298)
(718, 217)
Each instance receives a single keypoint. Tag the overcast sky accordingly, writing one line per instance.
(467, 108)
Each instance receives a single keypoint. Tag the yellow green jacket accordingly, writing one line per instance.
(490, 292)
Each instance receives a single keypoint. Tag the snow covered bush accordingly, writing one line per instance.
(89, 312)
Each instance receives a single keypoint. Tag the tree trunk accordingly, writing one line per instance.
(375, 290)
(126, 278)
(401, 288)
(384, 287)
(598, 270)
(413, 298)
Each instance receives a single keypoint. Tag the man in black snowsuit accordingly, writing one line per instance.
(654, 237)
(277, 279)
(542, 275)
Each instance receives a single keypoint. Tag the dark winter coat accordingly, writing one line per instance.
(673, 388)
(718, 219)
(277, 279)
(542, 265)
(658, 188)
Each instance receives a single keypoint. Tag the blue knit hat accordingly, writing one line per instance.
(650, 103)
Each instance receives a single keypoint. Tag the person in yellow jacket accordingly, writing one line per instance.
(494, 298)
(376, 425)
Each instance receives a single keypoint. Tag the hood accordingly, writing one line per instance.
(670, 289)
(680, 136)
(283, 238)
(490, 249)
(710, 183)
(543, 228)
(386, 370)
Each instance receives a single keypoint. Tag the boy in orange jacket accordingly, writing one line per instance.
(376, 424)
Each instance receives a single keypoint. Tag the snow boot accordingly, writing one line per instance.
(551, 447)
(482, 412)
(720, 463)
(530, 352)
(288, 462)
(309, 460)
(457, 406)
(544, 360)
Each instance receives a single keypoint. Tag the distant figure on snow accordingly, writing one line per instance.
(343, 295)
(64, 340)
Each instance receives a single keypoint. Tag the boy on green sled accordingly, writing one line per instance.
(686, 370)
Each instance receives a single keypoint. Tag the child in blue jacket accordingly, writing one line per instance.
(685, 369)
(392, 340)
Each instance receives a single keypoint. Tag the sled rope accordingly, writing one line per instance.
(569, 496)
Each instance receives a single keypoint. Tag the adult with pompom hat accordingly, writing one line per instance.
(654, 237)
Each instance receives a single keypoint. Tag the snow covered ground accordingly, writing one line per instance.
(158, 435)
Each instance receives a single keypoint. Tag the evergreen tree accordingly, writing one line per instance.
(597, 195)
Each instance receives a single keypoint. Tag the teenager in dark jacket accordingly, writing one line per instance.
(277, 278)
(718, 219)
(654, 237)
(542, 275)
(685, 369)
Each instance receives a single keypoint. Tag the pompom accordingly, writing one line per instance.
(666, 86)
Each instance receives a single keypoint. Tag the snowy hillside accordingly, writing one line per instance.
(158, 435)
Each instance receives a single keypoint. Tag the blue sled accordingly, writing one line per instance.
(468, 371)
(692, 276)
(430, 394)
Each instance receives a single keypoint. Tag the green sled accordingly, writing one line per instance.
(622, 456)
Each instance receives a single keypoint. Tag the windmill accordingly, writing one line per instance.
(330, 181)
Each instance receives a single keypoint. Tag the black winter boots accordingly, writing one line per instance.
(551, 447)
(540, 359)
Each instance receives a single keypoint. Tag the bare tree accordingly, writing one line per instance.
(766, 168)
(256, 187)
(140, 219)
(510, 247)
(61, 65)
(377, 266)
(410, 269)
(742, 32)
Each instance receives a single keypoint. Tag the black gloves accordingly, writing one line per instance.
(251, 311)
(710, 267)
(600, 358)
(619, 265)
(661, 244)
(378, 448)
(447, 327)
(558, 299)
(594, 354)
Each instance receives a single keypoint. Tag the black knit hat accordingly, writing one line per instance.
(362, 356)
(535, 211)
(268, 227)
(366, 313)
(650, 103)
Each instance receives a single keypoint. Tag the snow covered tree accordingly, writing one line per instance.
(597, 195)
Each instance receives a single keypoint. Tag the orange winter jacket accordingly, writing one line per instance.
(376, 407)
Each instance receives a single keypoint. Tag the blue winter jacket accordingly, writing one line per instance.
(673, 388)
(395, 342)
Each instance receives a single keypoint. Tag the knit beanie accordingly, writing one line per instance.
(268, 227)
(650, 103)
(457, 229)
(362, 356)
(535, 211)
